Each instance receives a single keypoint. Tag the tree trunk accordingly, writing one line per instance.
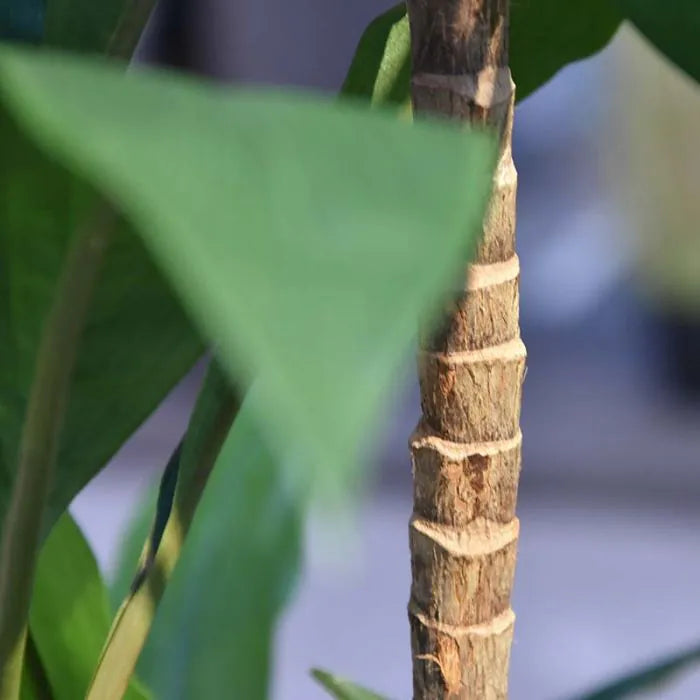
(466, 449)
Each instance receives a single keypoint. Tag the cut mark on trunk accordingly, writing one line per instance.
(492, 274)
(511, 350)
(498, 624)
(490, 86)
(478, 538)
(422, 437)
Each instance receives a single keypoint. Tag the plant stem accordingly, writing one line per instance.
(466, 450)
(39, 441)
(211, 420)
(127, 33)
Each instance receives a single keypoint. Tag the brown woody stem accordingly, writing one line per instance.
(466, 449)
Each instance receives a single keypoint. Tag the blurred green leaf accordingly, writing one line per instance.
(673, 27)
(137, 343)
(89, 26)
(22, 20)
(381, 67)
(69, 616)
(341, 689)
(545, 36)
(181, 487)
(304, 237)
(649, 678)
(213, 633)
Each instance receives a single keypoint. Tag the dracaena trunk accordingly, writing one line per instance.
(466, 449)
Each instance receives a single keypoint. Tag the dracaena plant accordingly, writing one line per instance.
(146, 218)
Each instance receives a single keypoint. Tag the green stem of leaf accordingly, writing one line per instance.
(127, 33)
(211, 420)
(56, 355)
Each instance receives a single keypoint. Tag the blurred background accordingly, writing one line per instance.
(609, 562)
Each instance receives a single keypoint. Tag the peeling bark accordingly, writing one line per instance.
(466, 450)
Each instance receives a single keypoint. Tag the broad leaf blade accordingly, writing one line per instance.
(546, 35)
(649, 678)
(341, 689)
(137, 343)
(305, 238)
(69, 616)
(673, 27)
(213, 633)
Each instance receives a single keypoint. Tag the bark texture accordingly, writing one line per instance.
(466, 449)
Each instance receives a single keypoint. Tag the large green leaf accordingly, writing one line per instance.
(342, 689)
(137, 342)
(69, 616)
(303, 236)
(673, 27)
(213, 633)
(545, 35)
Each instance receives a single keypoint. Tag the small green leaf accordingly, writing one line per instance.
(341, 689)
(69, 616)
(648, 678)
(381, 67)
(305, 237)
(673, 27)
(213, 633)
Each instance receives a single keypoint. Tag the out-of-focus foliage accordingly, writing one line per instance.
(214, 630)
(341, 689)
(69, 617)
(22, 20)
(653, 166)
(381, 67)
(673, 27)
(649, 679)
(301, 236)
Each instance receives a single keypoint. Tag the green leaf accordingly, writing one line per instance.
(546, 35)
(213, 633)
(649, 678)
(341, 689)
(86, 25)
(305, 237)
(137, 343)
(69, 616)
(673, 27)
(181, 487)
(22, 20)
(381, 67)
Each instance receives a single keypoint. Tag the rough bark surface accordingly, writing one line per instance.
(466, 449)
